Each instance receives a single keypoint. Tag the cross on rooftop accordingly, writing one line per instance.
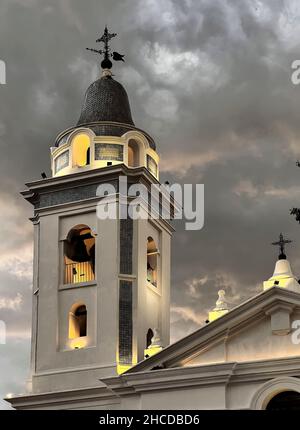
(106, 52)
(281, 243)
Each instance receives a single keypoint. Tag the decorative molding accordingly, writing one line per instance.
(118, 127)
(87, 284)
(275, 375)
(126, 246)
(271, 388)
(88, 397)
(205, 375)
(243, 314)
(125, 322)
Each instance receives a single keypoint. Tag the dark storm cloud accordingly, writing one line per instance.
(211, 82)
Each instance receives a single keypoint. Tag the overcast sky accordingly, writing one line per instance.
(210, 81)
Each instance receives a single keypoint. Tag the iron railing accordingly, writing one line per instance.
(78, 272)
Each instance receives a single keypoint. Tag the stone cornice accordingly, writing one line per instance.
(128, 127)
(174, 378)
(230, 323)
(103, 174)
(212, 374)
(81, 188)
(219, 374)
(61, 399)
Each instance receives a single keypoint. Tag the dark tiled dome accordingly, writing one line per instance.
(105, 100)
(105, 111)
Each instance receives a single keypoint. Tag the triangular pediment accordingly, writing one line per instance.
(258, 329)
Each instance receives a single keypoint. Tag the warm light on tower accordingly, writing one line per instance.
(80, 144)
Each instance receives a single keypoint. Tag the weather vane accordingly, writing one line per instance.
(281, 243)
(106, 52)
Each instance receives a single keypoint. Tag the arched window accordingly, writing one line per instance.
(284, 401)
(133, 154)
(81, 150)
(152, 254)
(149, 337)
(77, 321)
(79, 255)
(88, 156)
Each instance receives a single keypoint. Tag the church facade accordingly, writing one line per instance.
(101, 289)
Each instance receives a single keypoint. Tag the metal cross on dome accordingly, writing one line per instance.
(106, 52)
(281, 243)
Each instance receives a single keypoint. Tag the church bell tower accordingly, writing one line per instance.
(101, 286)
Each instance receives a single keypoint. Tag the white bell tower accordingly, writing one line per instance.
(283, 276)
(101, 286)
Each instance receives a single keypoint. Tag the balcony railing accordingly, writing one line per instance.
(78, 272)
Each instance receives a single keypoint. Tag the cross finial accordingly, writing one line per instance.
(281, 243)
(106, 64)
